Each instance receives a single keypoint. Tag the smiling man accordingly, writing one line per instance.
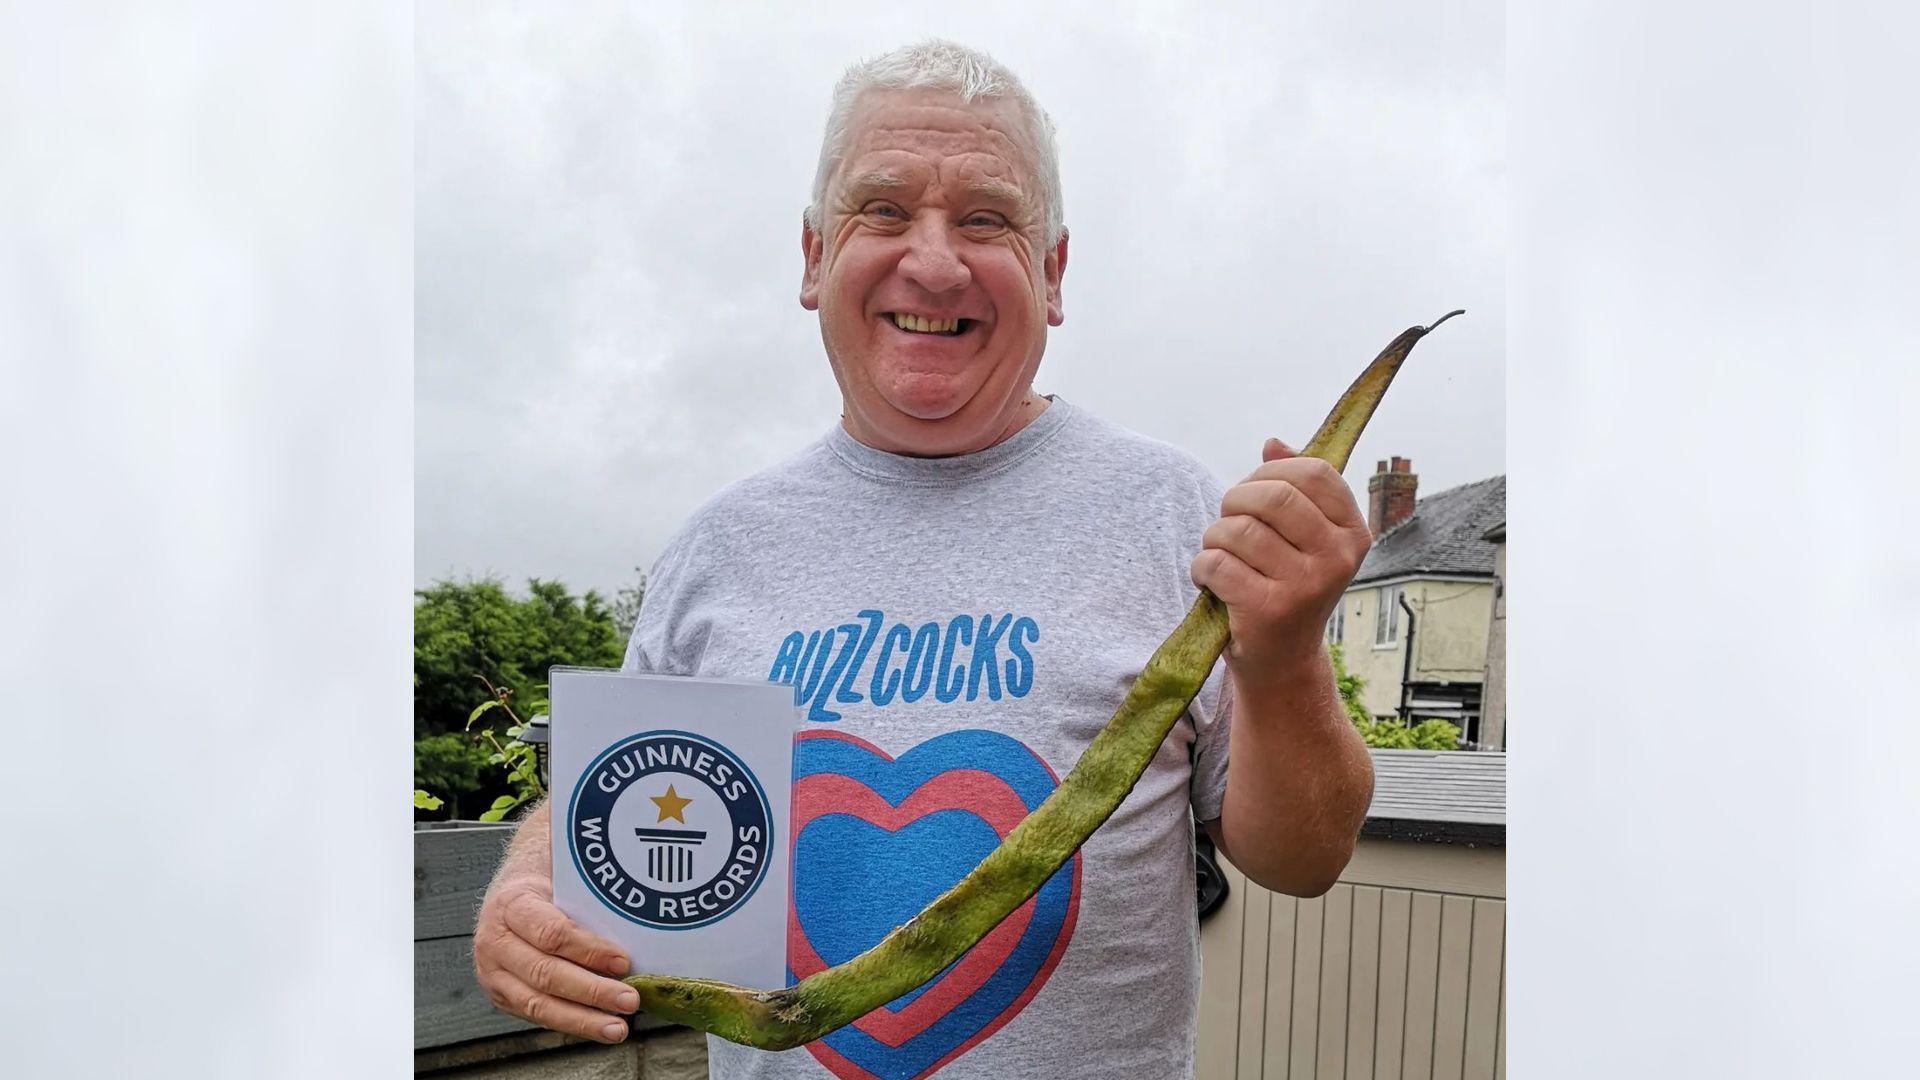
(935, 264)
(959, 580)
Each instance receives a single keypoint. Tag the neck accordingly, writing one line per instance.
(930, 444)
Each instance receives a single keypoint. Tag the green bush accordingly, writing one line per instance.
(474, 646)
(451, 764)
(1426, 735)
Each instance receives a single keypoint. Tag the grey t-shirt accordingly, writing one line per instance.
(957, 629)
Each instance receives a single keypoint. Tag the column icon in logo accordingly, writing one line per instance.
(670, 851)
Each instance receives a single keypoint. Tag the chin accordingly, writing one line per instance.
(930, 399)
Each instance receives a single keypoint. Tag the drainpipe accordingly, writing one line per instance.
(1406, 664)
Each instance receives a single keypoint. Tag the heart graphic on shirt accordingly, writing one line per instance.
(874, 839)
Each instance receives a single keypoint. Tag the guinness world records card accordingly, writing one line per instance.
(670, 813)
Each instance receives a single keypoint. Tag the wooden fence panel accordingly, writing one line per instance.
(1363, 981)
(1487, 966)
(1336, 950)
(1500, 1039)
(1423, 980)
(1295, 1056)
(1283, 951)
(1254, 982)
(1450, 1002)
(1370, 980)
(1396, 917)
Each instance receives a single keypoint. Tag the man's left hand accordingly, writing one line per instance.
(1289, 540)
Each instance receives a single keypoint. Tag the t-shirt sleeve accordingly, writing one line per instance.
(658, 644)
(1212, 716)
(1211, 711)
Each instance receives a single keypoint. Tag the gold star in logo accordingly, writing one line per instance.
(671, 804)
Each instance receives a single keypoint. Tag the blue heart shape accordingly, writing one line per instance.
(855, 880)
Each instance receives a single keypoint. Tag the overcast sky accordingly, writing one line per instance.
(607, 255)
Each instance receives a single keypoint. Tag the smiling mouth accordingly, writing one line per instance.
(915, 324)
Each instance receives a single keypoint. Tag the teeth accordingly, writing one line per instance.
(925, 326)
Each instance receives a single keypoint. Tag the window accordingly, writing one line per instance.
(1337, 623)
(1386, 617)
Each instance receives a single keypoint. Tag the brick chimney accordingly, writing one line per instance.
(1390, 493)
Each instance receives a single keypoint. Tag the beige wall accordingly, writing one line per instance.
(1493, 704)
(1451, 644)
(1396, 972)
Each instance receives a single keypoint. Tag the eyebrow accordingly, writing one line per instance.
(876, 180)
(994, 188)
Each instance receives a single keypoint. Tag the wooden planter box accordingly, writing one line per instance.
(452, 863)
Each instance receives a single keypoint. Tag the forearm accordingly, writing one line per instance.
(531, 849)
(1299, 784)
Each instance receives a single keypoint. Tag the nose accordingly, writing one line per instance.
(931, 261)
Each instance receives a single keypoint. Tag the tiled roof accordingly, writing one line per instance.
(1445, 535)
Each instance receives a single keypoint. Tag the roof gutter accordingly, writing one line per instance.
(1399, 577)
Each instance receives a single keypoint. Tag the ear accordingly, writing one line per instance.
(1055, 268)
(810, 250)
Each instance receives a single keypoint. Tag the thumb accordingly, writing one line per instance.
(1275, 450)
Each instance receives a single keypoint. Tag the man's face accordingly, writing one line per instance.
(933, 215)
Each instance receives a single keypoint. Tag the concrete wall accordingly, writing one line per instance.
(1450, 645)
(1398, 971)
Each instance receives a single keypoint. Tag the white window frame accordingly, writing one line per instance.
(1337, 623)
(1386, 618)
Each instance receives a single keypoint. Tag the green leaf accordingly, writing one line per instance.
(501, 807)
(424, 801)
(479, 709)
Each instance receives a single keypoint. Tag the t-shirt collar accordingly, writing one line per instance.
(941, 470)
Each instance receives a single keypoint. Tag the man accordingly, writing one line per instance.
(960, 580)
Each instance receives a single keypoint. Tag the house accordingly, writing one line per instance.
(1415, 622)
(1493, 703)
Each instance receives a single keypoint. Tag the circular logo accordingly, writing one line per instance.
(670, 829)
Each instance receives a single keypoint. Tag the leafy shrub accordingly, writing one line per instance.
(1387, 734)
(473, 644)
(1426, 735)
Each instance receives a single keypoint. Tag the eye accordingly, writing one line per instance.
(984, 220)
(884, 210)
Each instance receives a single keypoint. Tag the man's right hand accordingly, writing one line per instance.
(536, 963)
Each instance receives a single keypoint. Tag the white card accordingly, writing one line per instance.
(670, 815)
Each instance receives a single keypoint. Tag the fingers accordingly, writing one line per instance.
(1275, 450)
(1224, 575)
(1285, 509)
(562, 978)
(545, 927)
(1253, 542)
(535, 963)
(512, 995)
(1318, 481)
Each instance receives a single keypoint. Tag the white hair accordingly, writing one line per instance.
(941, 65)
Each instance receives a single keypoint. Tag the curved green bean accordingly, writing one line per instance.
(1103, 777)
